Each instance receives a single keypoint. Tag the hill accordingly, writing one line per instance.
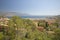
(12, 14)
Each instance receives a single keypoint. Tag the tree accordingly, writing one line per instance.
(46, 27)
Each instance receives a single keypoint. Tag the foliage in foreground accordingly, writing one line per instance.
(24, 29)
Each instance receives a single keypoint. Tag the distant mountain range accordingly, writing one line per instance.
(12, 14)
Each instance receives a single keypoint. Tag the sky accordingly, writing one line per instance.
(33, 7)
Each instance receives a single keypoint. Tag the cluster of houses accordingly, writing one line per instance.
(3, 22)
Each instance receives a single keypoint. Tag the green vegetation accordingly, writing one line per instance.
(24, 29)
(43, 23)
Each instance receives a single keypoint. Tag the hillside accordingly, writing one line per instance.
(12, 14)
